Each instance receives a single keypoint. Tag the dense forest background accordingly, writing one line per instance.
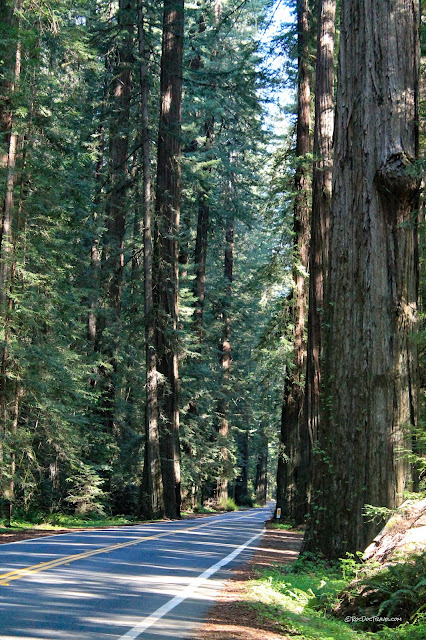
(77, 81)
(164, 254)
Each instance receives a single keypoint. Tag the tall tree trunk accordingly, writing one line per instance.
(320, 222)
(167, 233)
(115, 209)
(152, 485)
(95, 252)
(201, 242)
(203, 221)
(370, 364)
(240, 491)
(261, 483)
(225, 361)
(291, 496)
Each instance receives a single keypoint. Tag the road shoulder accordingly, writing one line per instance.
(233, 617)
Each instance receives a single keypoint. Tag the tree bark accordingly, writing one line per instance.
(370, 362)
(167, 250)
(291, 496)
(203, 221)
(201, 242)
(320, 222)
(152, 486)
(261, 484)
(225, 361)
(95, 251)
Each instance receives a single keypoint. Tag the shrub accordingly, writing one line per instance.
(228, 505)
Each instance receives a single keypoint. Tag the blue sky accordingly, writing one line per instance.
(279, 15)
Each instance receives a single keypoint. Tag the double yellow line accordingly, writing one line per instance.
(16, 574)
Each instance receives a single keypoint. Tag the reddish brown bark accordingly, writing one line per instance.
(320, 220)
(291, 496)
(115, 214)
(167, 250)
(261, 483)
(152, 489)
(225, 361)
(201, 243)
(370, 371)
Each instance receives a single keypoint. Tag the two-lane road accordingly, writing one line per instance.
(152, 581)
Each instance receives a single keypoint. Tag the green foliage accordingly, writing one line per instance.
(398, 591)
(59, 521)
(300, 598)
(228, 505)
(77, 441)
(407, 631)
(295, 597)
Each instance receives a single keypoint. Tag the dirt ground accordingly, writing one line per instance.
(233, 619)
(26, 534)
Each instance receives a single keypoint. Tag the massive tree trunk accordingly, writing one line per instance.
(320, 221)
(152, 486)
(167, 250)
(369, 399)
(225, 361)
(291, 497)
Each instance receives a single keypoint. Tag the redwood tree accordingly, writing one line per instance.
(320, 222)
(108, 335)
(167, 249)
(290, 496)
(152, 486)
(369, 397)
(225, 362)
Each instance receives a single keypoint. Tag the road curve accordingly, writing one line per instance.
(152, 581)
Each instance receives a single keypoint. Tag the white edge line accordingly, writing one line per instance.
(150, 620)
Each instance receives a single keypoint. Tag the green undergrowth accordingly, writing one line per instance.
(300, 597)
(198, 509)
(62, 521)
(225, 505)
(228, 505)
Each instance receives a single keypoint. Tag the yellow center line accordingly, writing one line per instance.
(16, 574)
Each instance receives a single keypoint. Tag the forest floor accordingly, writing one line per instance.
(233, 616)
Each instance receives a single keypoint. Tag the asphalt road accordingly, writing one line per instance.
(153, 581)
